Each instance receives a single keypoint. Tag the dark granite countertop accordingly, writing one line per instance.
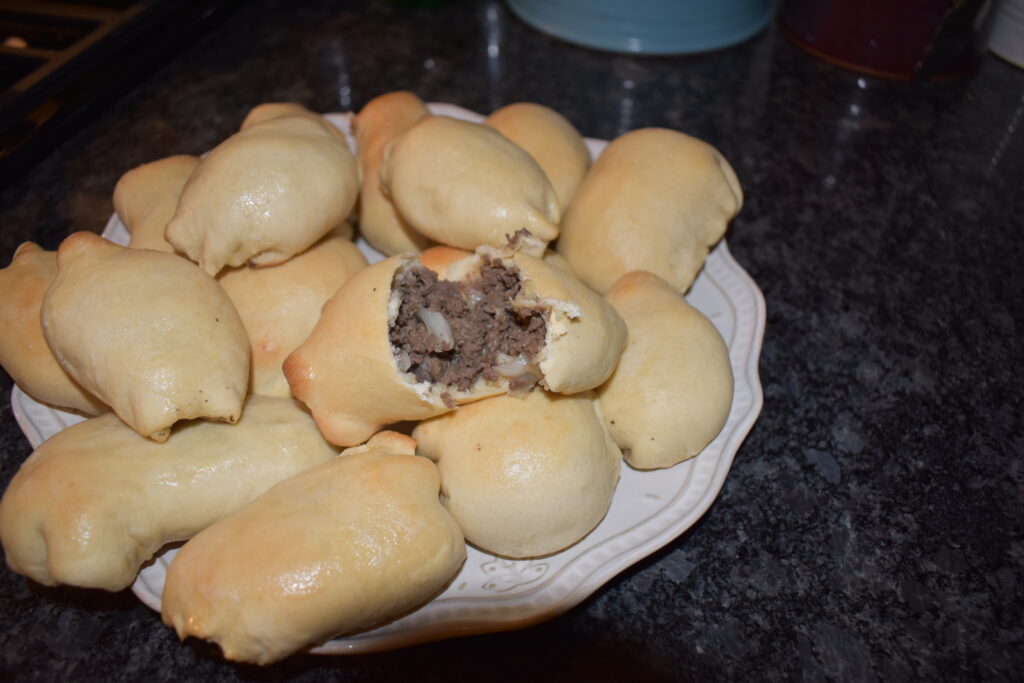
(871, 526)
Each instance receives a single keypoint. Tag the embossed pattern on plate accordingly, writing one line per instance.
(648, 510)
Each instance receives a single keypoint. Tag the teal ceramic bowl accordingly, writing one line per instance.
(655, 27)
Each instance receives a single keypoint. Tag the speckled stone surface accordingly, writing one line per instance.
(871, 527)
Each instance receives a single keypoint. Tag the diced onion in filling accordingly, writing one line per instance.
(523, 384)
(437, 325)
(512, 367)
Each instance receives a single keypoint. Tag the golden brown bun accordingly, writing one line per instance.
(274, 110)
(265, 194)
(383, 119)
(524, 476)
(554, 258)
(280, 305)
(440, 257)
(146, 198)
(585, 335)
(24, 353)
(465, 184)
(96, 500)
(341, 547)
(655, 200)
(346, 370)
(672, 391)
(550, 139)
(147, 332)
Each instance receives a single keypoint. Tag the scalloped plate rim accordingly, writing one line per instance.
(461, 616)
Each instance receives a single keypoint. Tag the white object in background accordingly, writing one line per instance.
(1007, 39)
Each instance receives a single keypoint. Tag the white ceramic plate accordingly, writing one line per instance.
(649, 509)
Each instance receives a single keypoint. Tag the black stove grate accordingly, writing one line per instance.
(60, 60)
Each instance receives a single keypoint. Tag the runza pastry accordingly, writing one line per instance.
(96, 500)
(279, 305)
(266, 193)
(380, 121)
(339, 548)
(440, 257)
(146, 197)
(147, 332)
(24, 353)
(550, 139)
(397, 343)
(276, 110)
(672, 391)
(465, 184)
(524, 476)
(554, 258)
(654, 200)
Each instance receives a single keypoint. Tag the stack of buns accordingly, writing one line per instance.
(245, 370)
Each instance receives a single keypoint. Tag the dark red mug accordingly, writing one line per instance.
(901, 39)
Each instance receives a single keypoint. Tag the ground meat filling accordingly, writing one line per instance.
(453, 333)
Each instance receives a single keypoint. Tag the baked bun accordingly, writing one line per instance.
(24, 353)
(557, 260)
(280, 305)
(440, 257)
(672, 391)
(585, 336)
(396, 342)
(146, 197)
(345, 370)
(96, 500)
(342, 547)
(147, 332)
(266, 193)
(383, 119)
(524, 476)
(465, 184)
(654, 200)
(276, 110)
(550, 139)
(279, 110)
